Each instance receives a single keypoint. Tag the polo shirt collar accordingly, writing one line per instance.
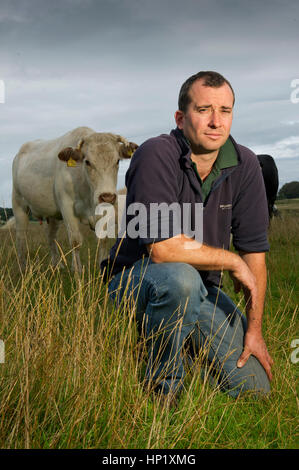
(227, 156)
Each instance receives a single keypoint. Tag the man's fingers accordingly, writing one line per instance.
(237, 286)
(236, 282)
(265, 362)
(243, 358)
(268, 365)
(250, 293)
(268, 372)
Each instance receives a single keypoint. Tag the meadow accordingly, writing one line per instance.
(73, 370)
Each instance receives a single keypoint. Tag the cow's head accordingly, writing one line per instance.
(98, 155)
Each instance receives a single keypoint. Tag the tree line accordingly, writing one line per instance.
(7, 212)
(289, 191)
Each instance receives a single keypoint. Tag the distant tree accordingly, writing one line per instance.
(289, 190)
(5, 213)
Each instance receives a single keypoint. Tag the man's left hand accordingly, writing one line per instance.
(255, 345)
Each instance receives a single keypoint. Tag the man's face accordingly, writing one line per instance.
(208, 119)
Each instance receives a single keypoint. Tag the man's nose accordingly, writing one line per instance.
(215, 120)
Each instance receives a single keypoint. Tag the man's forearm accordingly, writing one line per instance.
(182, 249)
(254, 343)
(257, 265)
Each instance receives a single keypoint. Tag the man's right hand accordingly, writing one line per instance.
(243, 278)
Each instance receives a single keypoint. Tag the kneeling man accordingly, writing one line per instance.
(174, 277)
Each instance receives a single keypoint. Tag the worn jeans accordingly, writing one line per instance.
(174, 308)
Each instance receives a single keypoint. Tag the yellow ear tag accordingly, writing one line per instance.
(130, 153)
(71, 162)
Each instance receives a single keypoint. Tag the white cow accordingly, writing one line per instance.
(66, 178)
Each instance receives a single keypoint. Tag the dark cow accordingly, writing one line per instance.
(270, 175)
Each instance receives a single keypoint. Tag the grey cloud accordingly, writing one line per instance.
(117, 65)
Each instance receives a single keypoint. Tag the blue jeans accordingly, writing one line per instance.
(174, 308)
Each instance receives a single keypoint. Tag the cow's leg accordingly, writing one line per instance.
(51, 229)
(73, 230)
(118, 222)
(20, 211)
(75, 239)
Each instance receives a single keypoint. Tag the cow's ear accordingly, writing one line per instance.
(79, 146)
(70, 155)
(127, 149)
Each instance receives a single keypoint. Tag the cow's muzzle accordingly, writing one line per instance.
(109, 198)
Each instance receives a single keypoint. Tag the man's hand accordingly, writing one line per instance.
(243, 278)
(254, 344)
(253, 340)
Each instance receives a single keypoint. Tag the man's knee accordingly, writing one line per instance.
(251, 377)
(181, 280)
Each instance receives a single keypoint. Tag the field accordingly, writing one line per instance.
(73, 370)
(288, 205)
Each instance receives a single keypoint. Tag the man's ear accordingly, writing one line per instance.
(179, 118)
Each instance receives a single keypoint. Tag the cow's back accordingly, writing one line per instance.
(270, 175)
(35, 167)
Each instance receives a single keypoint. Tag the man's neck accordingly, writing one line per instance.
(204, 162)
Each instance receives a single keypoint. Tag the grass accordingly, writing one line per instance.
(73, 371)
(290, 205)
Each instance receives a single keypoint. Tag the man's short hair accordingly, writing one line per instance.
(210, 79)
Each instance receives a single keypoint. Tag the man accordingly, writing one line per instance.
(174, 279)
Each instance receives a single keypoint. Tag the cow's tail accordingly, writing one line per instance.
(10, 224)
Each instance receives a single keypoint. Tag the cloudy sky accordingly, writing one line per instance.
(117, 66)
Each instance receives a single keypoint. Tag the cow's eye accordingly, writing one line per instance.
(87, 162)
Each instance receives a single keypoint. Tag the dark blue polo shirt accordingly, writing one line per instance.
(161, 171)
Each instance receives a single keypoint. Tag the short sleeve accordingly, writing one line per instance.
(152, 192)
(250, 218)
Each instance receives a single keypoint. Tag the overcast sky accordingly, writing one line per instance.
(117, 66)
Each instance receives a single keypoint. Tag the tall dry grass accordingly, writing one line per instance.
(74, 364)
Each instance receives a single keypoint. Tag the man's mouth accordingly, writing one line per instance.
(213, 136)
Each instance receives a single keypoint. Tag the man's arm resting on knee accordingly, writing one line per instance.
(253, 341)
(181, 249)
(248, 270)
